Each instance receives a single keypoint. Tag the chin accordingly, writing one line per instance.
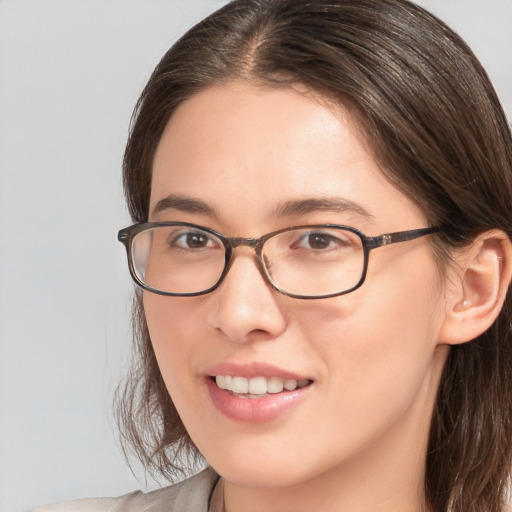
(266, 466)
(261, 475)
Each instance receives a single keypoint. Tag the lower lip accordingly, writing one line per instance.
(254, 410)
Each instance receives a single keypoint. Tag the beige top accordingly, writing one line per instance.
(203, 492)
(200, 493)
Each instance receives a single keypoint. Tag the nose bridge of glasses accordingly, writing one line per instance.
(253, 243)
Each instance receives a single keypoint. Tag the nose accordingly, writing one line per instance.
(246, 306)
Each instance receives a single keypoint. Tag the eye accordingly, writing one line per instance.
(192, 240)
(318, 241)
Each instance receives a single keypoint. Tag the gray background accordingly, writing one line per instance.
(70, 72)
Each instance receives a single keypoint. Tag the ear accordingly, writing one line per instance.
(476, 287)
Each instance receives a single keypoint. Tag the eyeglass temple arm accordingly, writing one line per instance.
(399, 236)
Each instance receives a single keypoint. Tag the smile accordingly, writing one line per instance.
(258, 399)
(257, 387)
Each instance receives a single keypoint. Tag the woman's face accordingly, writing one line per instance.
(255, 160)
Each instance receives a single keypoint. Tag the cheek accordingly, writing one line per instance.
(174, 333)
(379, 344)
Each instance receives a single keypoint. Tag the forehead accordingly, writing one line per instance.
(245, 150)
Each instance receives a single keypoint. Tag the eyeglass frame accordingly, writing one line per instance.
(126, 236)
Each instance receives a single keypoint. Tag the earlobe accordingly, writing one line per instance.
(477, 288)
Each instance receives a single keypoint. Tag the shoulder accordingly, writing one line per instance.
(85, 505)
(192, 494)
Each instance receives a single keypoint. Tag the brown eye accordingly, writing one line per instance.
(192, 240)
(318, 241)
(196, 240)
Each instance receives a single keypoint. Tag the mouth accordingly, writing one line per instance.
(256, 392)
(259, 386)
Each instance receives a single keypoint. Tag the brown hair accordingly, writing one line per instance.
(432, 117)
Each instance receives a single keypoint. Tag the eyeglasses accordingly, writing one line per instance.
(304, 262)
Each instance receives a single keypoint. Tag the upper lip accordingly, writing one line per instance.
(253, 369)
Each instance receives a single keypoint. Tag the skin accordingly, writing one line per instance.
(357, 442)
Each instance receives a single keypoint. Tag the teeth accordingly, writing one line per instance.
(290, 385)
(258, 385)
(239, 385)
(224, 382)
(275, 385)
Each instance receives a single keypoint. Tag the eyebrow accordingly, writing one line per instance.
(184, 204)
(333, 204)
(290, 208)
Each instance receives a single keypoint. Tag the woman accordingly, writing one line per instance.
(321, 194)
